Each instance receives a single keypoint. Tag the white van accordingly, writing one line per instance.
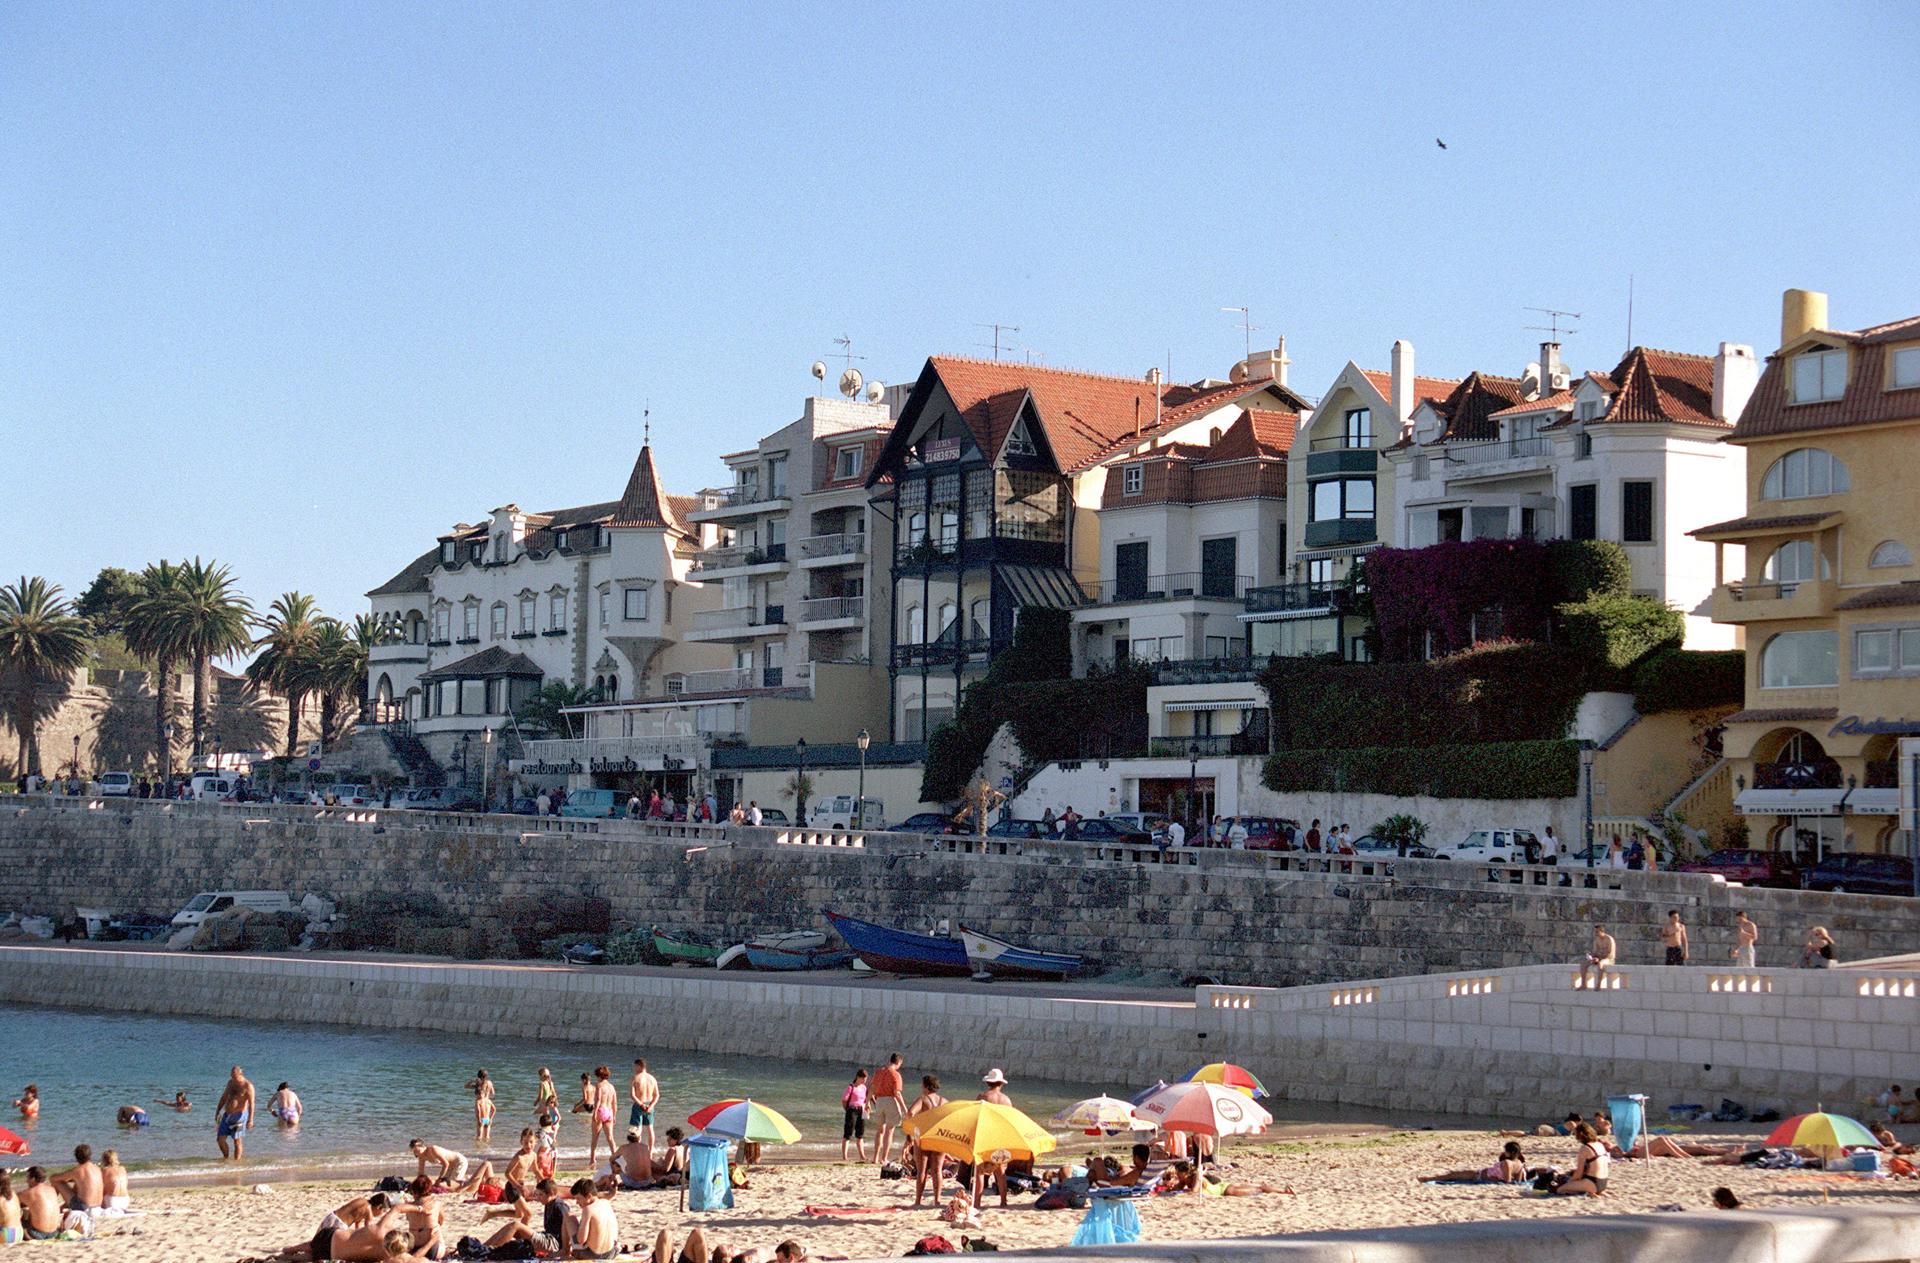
(1498, 846)
(212, 787)
(212, 902)
(837, 811)
(114, 785)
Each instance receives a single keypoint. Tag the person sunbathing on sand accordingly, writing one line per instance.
(523, 1227)
(628, 1167)
(592, 1231)
(1510, 1169)
(353, 1214)
(1184, 1177)
(1589, 1176)
(1890, 1142)
(1666, 1147)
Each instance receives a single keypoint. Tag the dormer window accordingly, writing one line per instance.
(1132, 479)
(1904, 373)
(1587, 410)
(1019, 442)
(560, 539)
(448, 551)
(1819, 375)
(846, 462)
(477, 551)
(602, 537)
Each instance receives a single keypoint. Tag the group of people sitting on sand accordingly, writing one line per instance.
(65, 1206)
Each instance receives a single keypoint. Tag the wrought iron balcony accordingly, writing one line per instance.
(1282, 597)
(1183, 586)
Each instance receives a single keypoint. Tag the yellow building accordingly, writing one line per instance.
(1822, 580)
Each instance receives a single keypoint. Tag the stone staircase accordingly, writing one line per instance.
(411, 754)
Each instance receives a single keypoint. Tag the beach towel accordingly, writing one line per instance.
(847, 1212)
(1109, 1221)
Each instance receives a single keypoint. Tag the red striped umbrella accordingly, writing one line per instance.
(10, 1143)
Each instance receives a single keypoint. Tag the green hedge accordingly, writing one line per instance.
(1612, 633)
(1041, 652)
(1690, 679)
(1505, 769)
(1581, 568)
(1513, 692)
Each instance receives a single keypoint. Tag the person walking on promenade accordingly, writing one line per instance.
(1745, 936)
(1601, 953)
(1674, 935)
(887, 1096)
(233, 1116)
(644, 1092)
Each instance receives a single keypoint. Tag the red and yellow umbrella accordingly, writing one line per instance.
(1827, 1133)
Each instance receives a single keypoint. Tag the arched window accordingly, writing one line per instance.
(613, 688)
(916, 625)
(1802, 659)
(1890, 552)
(1795, 562)
(949, 613)
(979, 620)
(497, 620)
(1804, 472)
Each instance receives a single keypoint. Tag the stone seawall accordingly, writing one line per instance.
(1236, 917)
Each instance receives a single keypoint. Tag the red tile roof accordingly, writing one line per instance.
(1865, 402)
(1887, 596)
(869, 453)
(643, 504)
(1257, 432)
(1663, 386)
(1084, 418)
(1546, 403)
(1424, 388)
(1469, 407)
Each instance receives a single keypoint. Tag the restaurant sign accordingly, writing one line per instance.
(1854, 726)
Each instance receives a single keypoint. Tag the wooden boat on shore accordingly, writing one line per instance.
(1008, 960)
(775, 956)
(682, 945)
(892, 951)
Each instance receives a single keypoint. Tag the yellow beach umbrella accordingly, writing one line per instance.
(973, 1130)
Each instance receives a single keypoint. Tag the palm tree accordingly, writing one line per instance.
(40, 637)
(149, 630)
(284, 661)
(543, 711)
(213, 622)
(337, 671)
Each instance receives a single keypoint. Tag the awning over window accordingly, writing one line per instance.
(1789, 802)
(1214, 704)
(1048, 586)
(1874, 802)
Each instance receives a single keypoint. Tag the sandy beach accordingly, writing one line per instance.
(1338, 1181)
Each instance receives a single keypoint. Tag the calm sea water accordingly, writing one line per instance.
(367, 1092)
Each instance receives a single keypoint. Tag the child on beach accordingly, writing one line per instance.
(482, 1088)
(853, 1130)
(1511, 1168)
(546, 1096)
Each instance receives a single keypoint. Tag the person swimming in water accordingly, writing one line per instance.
(28, 1103)
(285, 1106)
(179, 1104)
(132, 1116)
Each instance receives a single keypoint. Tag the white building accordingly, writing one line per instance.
(593, 596)
(1634, 456)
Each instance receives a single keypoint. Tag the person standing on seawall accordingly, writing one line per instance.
(1674, 935)
(1745, 936)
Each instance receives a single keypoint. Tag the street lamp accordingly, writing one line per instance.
(1586, 777)
(864, 740)
(76, 756)
(1198, 838)
(166, 761)
(800, 782)
(486, 767)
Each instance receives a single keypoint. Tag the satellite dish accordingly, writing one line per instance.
(850, 383)
(1239, 373)
(820, 369)
(876, 391)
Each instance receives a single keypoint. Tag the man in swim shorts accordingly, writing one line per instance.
(453, 1164)
(82, 1184)
(234, 1114)
(644, 1090)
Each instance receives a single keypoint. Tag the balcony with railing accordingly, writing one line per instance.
(1223, 670)
(829, 611)
(743, 500)
(738, 623)
(826, 550)
(1254, 741)
(1188, 585)
(732, 559)
(941, 652)
(1524, 447)
(1279, 598)
(739, 680)
(1769, 599)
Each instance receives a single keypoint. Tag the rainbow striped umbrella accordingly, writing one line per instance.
(1827, 1133)
(743, 1119)
(1228, 1075)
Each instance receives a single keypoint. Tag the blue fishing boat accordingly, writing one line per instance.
(894, 951)
(1005, 960)
(773, 956)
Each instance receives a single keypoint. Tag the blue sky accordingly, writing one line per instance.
(299, 286)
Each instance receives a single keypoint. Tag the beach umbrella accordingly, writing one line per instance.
(744, 1119)
(1141, 1098)
(972, 1130)
(1099, 1114)
(1228, 1075)
(11, 1143)
(1204, 1108)
(1827, 1133)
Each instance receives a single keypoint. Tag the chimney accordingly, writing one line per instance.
(1736, 371)
(1402, 382)
(1553, 374)
(1801, 311)
(1265, 365)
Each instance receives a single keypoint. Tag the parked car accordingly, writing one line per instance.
(439, 798)
(600, 803)
(838, 811)
(343, 794)
(521, 807)
(213, 902)
(1018, 829)
(1103, 829)
(1751, 868)
(1152, 823)
(773, 817)
(212, 787)
(1263, 833)
(1859, 874)
(1497, 846)
(924, 822)
(1369, 845)
(114, 785)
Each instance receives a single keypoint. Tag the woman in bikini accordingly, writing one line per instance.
(1184, 1177)
(927, 1163)
(1589, 1178)
(482, 1088)
(29, 1103)
(1511, 1168)
(604, 1098)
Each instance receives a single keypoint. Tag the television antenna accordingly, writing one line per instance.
(845, 343)
(998, 329)
(1554, 319)
(1247, 327)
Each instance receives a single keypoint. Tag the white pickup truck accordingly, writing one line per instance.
(1498, 846)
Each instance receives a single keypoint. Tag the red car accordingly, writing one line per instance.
(1751, 868)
